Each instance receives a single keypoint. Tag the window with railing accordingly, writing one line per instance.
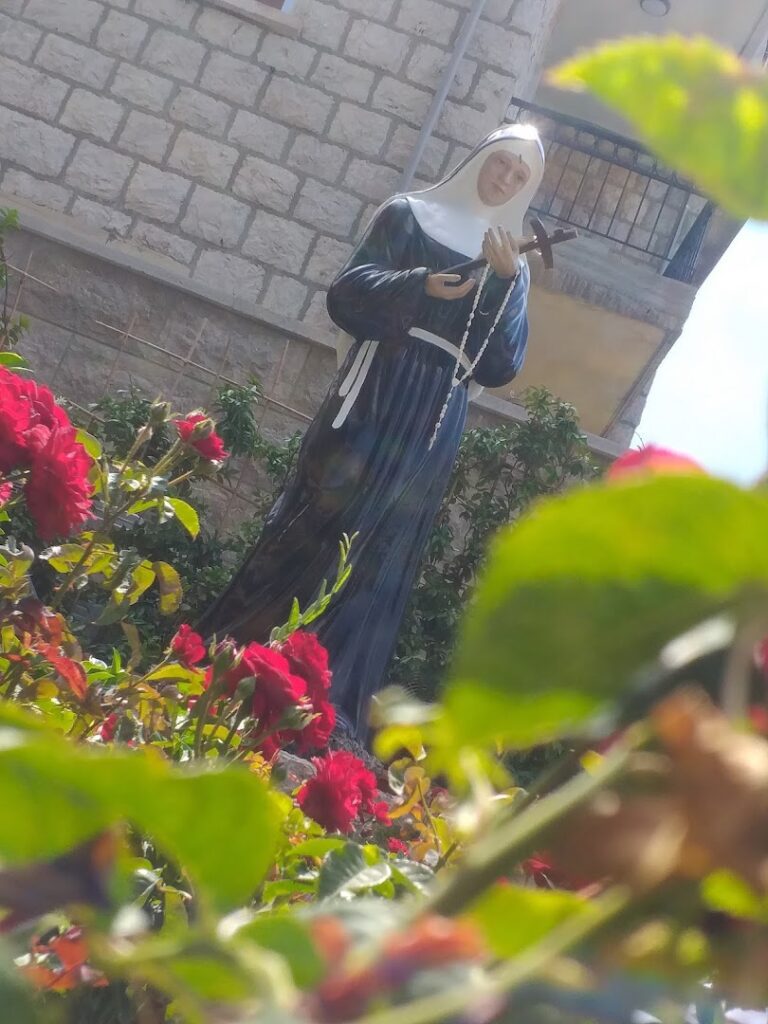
(608, 186)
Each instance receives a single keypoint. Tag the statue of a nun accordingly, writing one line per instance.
(377, 458)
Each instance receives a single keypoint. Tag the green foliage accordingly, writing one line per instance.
(585, 591)
(499, 472)
(698, 106)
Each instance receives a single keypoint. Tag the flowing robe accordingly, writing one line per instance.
(375, 474)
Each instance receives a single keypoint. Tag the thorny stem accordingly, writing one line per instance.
(514, 973)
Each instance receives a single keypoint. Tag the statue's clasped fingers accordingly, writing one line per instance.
(448, 286)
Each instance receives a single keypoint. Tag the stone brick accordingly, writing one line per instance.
(76, 18)
(288, 55)
(13, 8)
(374, 181)
(285, 295)
(427, 18)
(202, 158)
(141, 88)
(215, 217)
(155, 238)
(463, 124)
(146, 136)
(44, 193)
(376, 45)
(232, 275)
(266, 184)
(178, 13)
(403, 144)
(327, 259)
(346, 79)
(279, 242)
(296, 104)
(122, 35)
(401, 100)
(70, 59)
(427, 64)
(33, 144)
(30, 90)
(509, 51)
(92, 114)
(200, 111)
(379, 10)
(228, 32)
(327, 208)
(359, 129)
(323, 25)
(157, 194)
(98, 171)
(18, 39)
(174, 55)
(493, 92)
(316, 313)
(258, 134)
(320, 159)
(234, 79)
(105, 218)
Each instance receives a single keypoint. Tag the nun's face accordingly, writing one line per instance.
(501, 177)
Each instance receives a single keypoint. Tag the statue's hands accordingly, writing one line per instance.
(445, 286)
(502, 252)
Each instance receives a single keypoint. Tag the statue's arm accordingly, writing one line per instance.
(377, 295)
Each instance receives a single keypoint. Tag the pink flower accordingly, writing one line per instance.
(188, 646)
(652, 461)
(341, 789)
(197, 430)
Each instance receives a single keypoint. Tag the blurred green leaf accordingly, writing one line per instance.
(186, 515)
(414, 876)
(90, 443)
(698, 106)
(16, 998)
(348, 871)
(77, 792)
(586, 589)
(727, 893)
(513, 918)
(291, 939)
(13, 361)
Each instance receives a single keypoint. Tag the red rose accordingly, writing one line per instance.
(277, 689)
(58, 492)
(395, 845)
(188, 646)
(652, 461)
(340, 790)
(309, 659)
(197, 430)
(6, 490)
(44, 414)
(14, 421)
(108, 728)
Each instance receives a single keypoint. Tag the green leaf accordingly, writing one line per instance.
(316, 847)
(91, 444)
(414, 876)
(513, 918)
(169, 585)
(291, 939)
(76, 792)
(698, 106)
(13, 361)
(186, 515)
(348, 871)
(727, 893)
(586, 589)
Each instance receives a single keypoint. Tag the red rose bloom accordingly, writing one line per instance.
(309, 659)
(6, 490)
(28, 415)
(44, 414)
(188, 646)
(395, 845)
(58, 492)
(341, 789)
(208, 444)
(108, 728)
(652, 461)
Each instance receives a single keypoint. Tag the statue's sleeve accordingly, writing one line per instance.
(503, 358)
(377, 296)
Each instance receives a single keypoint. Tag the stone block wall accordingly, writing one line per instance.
(246, 159)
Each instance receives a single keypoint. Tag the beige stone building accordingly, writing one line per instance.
(191, 173)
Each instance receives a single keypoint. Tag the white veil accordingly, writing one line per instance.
(452, 212)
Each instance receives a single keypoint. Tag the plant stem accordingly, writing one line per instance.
(514, 973)
(489, 859)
